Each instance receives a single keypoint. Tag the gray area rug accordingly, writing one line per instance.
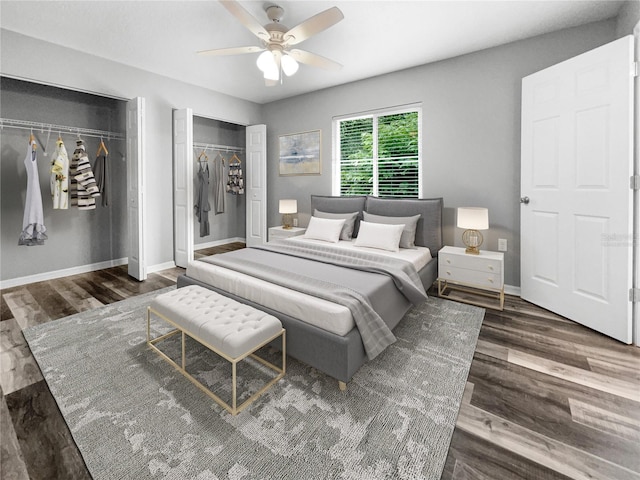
(132, 415)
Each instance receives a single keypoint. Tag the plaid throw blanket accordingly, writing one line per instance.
(376, 335)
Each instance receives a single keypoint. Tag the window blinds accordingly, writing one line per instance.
(379, 155)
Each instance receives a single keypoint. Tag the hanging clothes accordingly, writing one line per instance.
(218, 183)
(235, 182)
(202, 206)
(60, 177)
(83, 188)
(102, 175)
(33, 229)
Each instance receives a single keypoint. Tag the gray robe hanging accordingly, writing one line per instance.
(218, 184)
(202, 206)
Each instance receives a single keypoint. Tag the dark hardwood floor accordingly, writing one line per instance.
(546, 398)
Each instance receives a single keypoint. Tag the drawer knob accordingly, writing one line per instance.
(490, 280)
(448, 261)
(490, 267)
(448, 273)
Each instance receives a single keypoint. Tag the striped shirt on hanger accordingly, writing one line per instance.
(83, 187)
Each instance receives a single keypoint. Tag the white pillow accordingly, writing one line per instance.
(326, 229)
(379, 235)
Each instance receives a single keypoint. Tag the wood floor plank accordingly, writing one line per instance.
(501, 331)
(606, 421)
(50, 300)
(12, 464)
(26, 309)
(536, 402)
(590, 379)
(630, 371)
(470, 455)
(45, 441)
(491, 349)
(75, 295)
(5, 311)
(18, 368)
(94, 287)
(540, 449)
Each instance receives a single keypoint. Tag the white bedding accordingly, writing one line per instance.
(315, 311)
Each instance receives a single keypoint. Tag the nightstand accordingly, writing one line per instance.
(471, 278)
(280, 232)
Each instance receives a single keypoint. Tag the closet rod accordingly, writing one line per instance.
(213, 146)
(87, 132)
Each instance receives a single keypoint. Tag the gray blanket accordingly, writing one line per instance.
(264, 262)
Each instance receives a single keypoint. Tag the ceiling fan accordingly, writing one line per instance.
(277, 41)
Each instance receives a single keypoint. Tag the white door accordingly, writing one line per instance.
(256, 184)
(576, 161)
(183, 186)
(135, 187)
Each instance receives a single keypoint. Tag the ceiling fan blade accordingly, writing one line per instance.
(313, 25)
(230, 51)
(248, 20)
(314, 59)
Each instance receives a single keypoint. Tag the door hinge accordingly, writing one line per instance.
(636, 69)
(634, 295)
(634, 182)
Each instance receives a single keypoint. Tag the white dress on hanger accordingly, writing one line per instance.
(60, 177)
(33, 229)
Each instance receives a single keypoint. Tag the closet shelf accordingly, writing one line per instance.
(219, 148)
(87, 132)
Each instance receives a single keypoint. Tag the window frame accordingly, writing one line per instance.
(374, 114)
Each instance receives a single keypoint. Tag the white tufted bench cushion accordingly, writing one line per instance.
(230, 327)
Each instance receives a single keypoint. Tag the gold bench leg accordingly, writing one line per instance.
(233, 408)
(342, 385)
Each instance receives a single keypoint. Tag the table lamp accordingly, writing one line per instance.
(287, 208)
(473, 219)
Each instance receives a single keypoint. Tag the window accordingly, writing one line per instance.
(378, 154)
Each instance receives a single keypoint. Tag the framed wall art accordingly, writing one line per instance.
(300, 153)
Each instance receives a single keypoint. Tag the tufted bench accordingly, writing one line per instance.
(231, 329)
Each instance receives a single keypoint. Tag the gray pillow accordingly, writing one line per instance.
(408, 233)
(349, 221)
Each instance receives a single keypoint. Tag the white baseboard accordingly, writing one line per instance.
(161, 266)
(215, 243)
(512, 290)
(41, 277)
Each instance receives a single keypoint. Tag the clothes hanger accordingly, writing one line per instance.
(234, 159)
(32, 141)
(203, 154)
(102, 148)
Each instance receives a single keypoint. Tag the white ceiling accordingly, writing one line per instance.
(375, 37)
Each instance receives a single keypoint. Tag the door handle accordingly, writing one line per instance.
(524, 200)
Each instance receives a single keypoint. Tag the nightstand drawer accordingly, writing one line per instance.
(470, 262)
(471, 277)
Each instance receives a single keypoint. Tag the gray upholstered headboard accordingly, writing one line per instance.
(429, 229)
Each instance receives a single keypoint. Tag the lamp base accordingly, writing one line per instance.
(472, 239)
(286, 221)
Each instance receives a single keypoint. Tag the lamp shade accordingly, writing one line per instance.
(288, 206)
(474, 218)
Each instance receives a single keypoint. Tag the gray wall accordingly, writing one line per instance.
(628, 17)
(231, 223)
(471, 129)
(57, 65)
(76, 237)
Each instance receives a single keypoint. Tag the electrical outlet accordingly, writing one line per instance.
(502, 244)
(295, 222)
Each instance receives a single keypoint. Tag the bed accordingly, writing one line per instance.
(323, 331)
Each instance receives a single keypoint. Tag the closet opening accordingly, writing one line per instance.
(209, 184)
(78, 240)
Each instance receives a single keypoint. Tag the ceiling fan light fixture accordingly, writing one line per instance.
(266, 61)
(289, 65)
(272, 72)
